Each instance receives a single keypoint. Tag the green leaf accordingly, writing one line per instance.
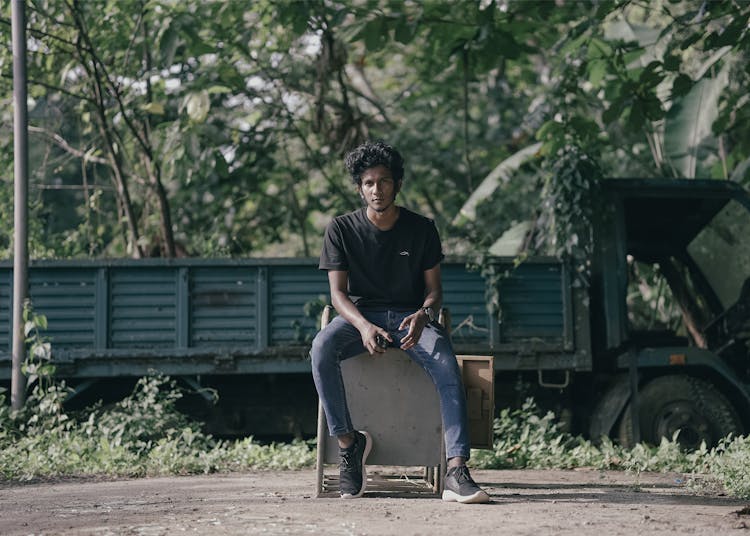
(729, 36)
(613, 112)
(637, 116)
(374, 34)
(597, 70)
(403, 31)
(690, 41)
(688, 137)
(653, 109)
(598, 48)
(168, 45)
(197, 106)
(546, 129)
(651, 75)
(47, 370)
(672, 63)
(156, 108)
(681, 86)
(218, 89)
(626, 31)
(572, 45)
(299, 24)
(501, 173)
(220, 165)
(353, 32)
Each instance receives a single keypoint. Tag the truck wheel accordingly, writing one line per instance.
(691, 405)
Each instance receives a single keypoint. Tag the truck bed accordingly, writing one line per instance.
(256, 316)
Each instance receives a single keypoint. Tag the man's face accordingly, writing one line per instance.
(378, 189)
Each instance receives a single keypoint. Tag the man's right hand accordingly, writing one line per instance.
(370, 339)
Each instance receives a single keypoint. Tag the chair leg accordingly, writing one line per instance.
(320, 462)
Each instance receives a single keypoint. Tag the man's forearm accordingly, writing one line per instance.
(346, 308)
(433, 300)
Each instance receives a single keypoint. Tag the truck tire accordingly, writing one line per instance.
(675, 402)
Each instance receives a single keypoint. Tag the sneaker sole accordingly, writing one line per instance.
(368, 447)
(476, 498)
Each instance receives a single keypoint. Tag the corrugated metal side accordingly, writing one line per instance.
(223, 306)
(290, 288)
(143, 307)
(463, 295)
(67, 298)
(5, 297)
(531, 303)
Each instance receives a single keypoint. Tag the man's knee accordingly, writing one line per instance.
(321, 347)
(327, 344)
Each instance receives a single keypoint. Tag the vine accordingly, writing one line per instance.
(569, 196)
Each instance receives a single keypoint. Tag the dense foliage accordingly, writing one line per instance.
(217, 128)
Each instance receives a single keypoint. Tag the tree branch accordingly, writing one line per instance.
(41, 33)
(371, 98)
(60, 142)
(114, 89)
(54, 88)
(114, 157)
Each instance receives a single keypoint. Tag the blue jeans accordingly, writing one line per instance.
(340, 340)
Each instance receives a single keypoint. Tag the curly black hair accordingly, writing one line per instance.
(372, 154)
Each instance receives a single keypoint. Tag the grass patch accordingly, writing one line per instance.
(527, 439)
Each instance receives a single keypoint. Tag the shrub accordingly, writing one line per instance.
(141, 435)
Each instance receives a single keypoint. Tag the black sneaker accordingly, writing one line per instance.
(460, 487)
(352, 473)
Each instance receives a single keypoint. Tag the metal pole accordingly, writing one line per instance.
(20, 200)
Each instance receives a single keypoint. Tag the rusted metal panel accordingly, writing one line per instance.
(223, 307)
(6, 278)
(290, 289)
(67, 297)
(531, 299)
(463, 294)
(143, 307)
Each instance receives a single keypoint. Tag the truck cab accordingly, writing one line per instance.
(682, 368)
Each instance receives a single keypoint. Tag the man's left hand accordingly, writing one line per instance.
(415, 323)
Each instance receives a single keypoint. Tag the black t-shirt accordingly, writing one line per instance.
(386, 268)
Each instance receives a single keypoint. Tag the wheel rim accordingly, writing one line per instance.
(682, 416)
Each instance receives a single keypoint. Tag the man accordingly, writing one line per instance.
(383, 264)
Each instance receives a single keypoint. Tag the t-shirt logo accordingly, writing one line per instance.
(404, 253)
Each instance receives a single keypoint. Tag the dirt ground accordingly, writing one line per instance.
(523, 502)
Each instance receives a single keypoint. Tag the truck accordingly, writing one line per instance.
(241, 328)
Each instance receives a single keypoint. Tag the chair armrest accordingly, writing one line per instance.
(326, 316)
